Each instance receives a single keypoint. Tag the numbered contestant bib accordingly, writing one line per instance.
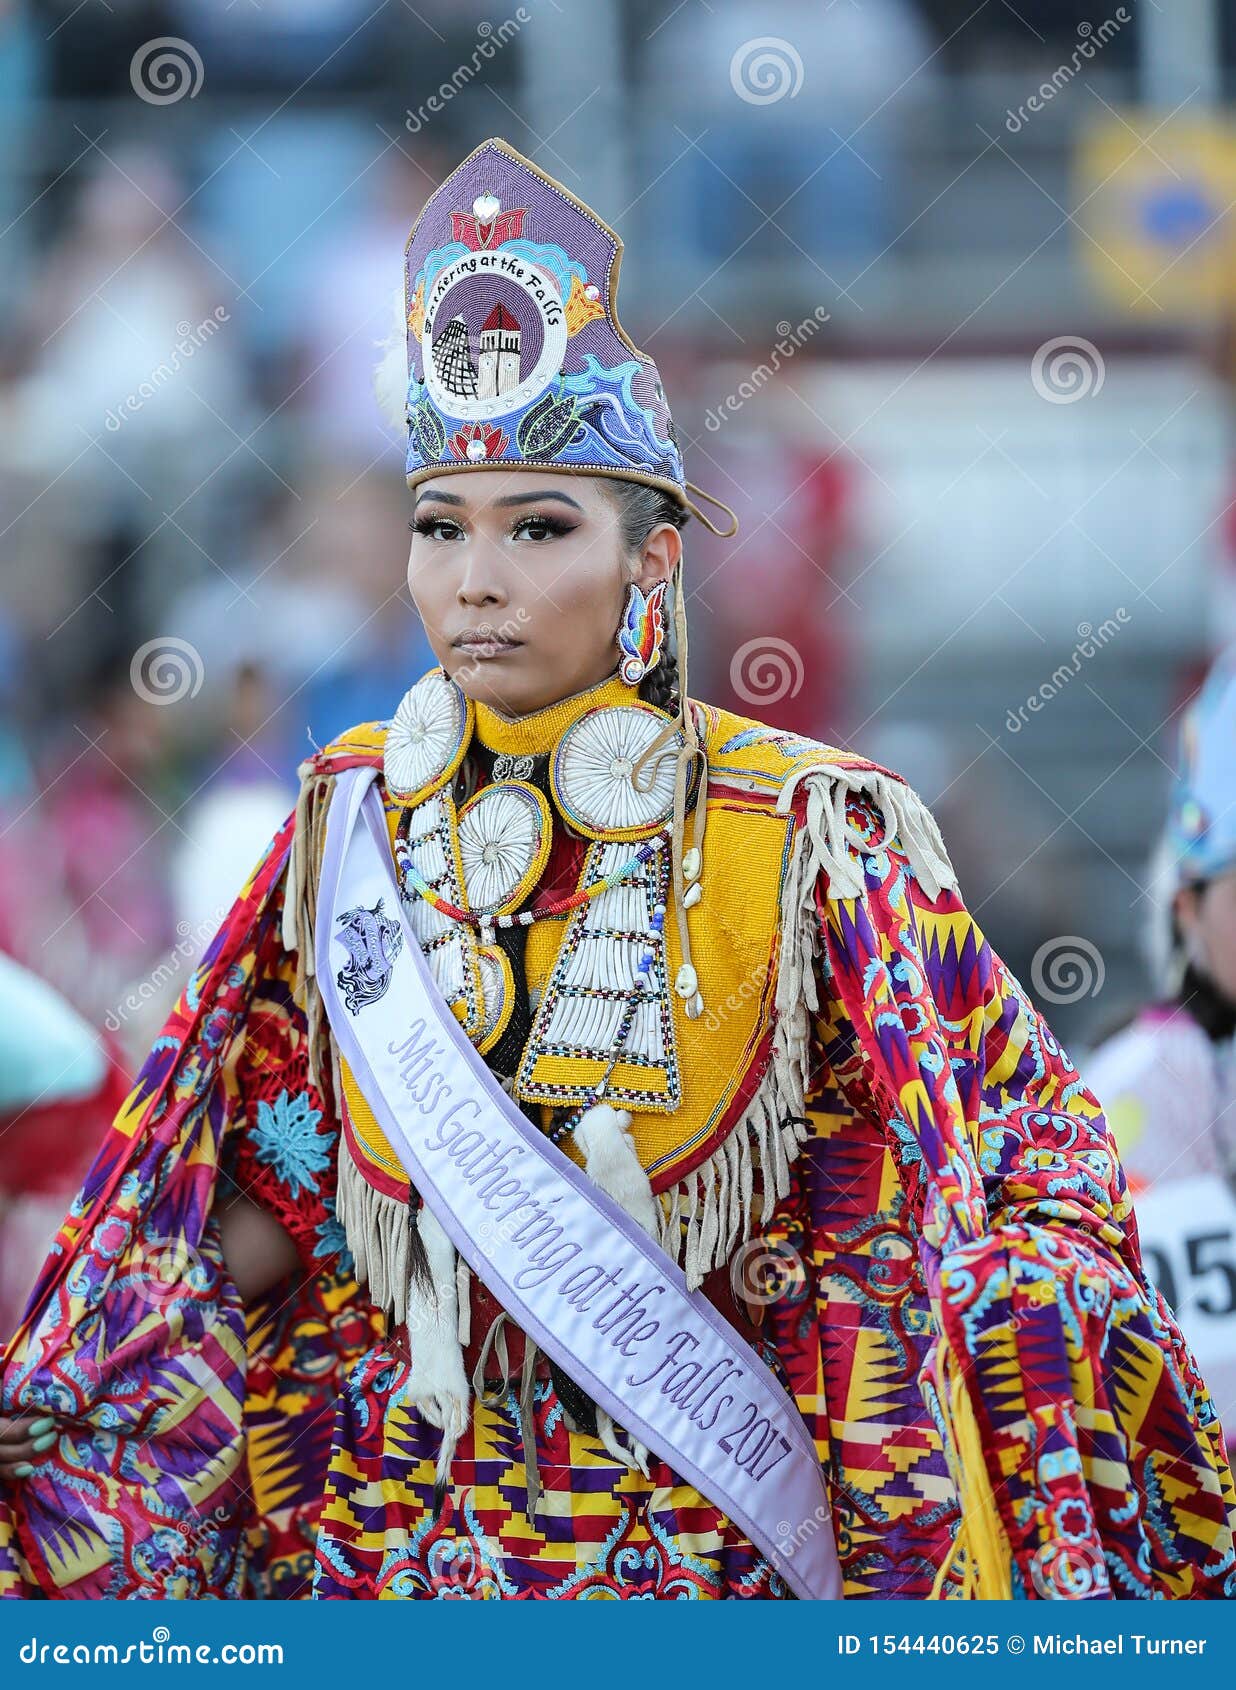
(1188, 1234)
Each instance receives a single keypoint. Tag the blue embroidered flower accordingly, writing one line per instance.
(287, 1139)
(332, 1241)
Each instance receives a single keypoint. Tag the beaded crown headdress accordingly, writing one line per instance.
(515, 358)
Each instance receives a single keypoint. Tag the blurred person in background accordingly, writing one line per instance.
(348, 312)
(237, 800)
(754, 159)
(84, 849)
(61, 1083)
(23, 54)
(1168, 1081)
(131, 318)
(337, 45)
(797, 503)
(380, 643)
(804, 1051)
(327, 644)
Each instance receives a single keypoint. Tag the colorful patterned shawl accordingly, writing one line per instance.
(975, 1287)
(195, 1434)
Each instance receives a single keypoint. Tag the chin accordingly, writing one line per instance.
(515, 689)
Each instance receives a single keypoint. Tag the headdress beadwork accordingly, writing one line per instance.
(514, 354)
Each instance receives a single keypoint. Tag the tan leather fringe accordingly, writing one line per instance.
(376, 1226)
(379, 1236)
(907, 818)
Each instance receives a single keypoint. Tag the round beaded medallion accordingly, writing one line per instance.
(504, 838)
(590, 772)
(428, 735)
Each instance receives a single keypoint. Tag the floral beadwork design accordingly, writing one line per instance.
(286, 1139)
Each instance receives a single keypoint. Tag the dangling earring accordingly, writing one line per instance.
(641, 633)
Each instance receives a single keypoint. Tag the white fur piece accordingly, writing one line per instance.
(390, 373)
(636, 1456)
(437, 1384)
(610, 1162)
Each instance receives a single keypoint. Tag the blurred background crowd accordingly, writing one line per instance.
(944, 296)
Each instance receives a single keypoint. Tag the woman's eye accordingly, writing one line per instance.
(534, 528)
(540, 528)
(435, 527)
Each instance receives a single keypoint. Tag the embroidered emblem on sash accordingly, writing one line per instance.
(373, 941)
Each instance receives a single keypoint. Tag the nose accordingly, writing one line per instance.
(480, 575)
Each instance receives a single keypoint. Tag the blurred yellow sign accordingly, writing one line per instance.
(1155, 201)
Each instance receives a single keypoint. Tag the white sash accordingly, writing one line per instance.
(576, 1273)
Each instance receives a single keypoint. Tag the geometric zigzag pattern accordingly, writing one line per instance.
(959, 1189)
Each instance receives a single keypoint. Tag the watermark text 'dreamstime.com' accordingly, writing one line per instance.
(1089, 41)
(1091, 641)
(158, 1651)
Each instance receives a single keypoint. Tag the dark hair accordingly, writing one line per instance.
(1198, 995)
(642, 508)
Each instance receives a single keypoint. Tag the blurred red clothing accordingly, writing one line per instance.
(46, 1148)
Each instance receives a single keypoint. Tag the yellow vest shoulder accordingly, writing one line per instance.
(364, 743)
(759, 759)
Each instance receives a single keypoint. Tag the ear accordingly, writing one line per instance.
(658, 556)
(390, 373)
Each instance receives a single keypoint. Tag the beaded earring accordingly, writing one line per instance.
(641, 633)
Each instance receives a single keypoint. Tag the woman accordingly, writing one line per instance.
(600, 1155)
(1169, 1079)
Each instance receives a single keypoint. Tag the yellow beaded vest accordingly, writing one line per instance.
(722, 1117)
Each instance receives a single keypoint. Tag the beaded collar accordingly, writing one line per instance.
(529, 736)
(467, 871)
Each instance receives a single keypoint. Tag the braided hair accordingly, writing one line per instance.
(641, 508)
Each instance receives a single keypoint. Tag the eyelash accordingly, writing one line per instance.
(555, 526)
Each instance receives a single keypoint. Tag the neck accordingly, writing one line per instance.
(542, 729)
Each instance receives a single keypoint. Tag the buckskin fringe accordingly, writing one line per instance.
(299, 912)
(906, 817)
(379, 1236)
(707, 1215)
(376, 1226)
(711, 1212)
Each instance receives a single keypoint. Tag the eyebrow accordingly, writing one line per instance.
(508, 499)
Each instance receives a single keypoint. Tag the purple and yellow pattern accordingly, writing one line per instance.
(957, 1230)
